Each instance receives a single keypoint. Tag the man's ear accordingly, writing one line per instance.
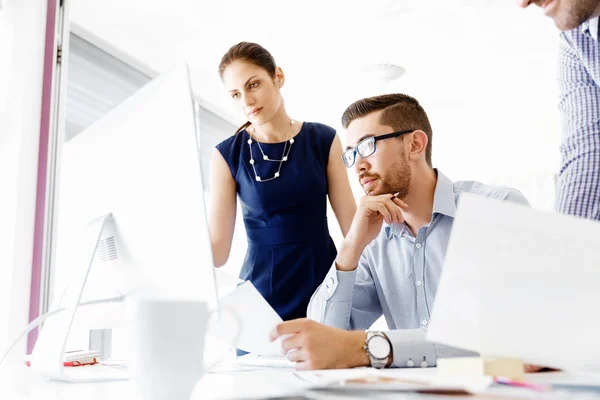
(418, 144)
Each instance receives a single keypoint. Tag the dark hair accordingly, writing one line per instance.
(400, 112)
(250, 52)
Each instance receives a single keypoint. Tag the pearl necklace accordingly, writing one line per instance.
(284, 156)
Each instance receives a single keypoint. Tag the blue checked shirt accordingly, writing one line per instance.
(578, 191)
(397, 277)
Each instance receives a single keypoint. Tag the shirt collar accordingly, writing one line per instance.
(443, 197)
(443, 203)
(591, 28)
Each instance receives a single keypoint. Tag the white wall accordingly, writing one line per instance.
(488, 90)
(19, 137)
(8, 203)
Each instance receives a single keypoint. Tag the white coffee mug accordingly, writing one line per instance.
(168, 341)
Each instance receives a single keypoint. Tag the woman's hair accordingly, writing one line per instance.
(250, 52)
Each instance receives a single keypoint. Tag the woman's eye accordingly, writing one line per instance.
(253, 85)
(235, 95)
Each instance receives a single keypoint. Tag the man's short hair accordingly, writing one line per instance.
(400, 111)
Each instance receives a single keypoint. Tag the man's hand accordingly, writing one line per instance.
(317, 346)
(371, 212)
(366, 225)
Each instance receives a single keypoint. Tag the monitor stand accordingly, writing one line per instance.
(47, 356)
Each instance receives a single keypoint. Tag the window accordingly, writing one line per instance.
(21, 75)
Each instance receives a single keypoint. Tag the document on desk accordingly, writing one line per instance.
(257, 319)
(522, 283)
(398, 380)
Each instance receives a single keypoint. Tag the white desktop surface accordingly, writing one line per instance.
(20, 383)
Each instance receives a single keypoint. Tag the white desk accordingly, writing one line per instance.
(20, 383)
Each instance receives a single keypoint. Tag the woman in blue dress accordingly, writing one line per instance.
(282, 171)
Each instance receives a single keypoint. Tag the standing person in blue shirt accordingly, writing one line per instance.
(283, 171)
(391, 259)
(579, 102)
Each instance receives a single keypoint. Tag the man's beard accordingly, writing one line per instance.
(396, 180)
(575, 14)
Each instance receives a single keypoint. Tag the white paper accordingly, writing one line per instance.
(521, 283)
(257, 319)
(565, 379)
(395, 380)
(225, 280)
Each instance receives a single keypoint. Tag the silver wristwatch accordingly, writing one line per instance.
(379, 349)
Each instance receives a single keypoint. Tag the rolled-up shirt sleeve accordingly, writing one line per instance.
(349, 301)
(346, 300)
(412, 350)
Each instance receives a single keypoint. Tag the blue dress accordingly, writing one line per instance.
(289, 247)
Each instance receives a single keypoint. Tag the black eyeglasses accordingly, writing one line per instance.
(367, 147)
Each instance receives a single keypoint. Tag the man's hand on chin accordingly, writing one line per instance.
(317, 346)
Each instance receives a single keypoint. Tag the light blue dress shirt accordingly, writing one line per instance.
(397, 277)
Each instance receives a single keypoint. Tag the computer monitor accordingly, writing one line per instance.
(520, 283)
(131, 210)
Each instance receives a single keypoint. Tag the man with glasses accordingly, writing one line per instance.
(390, 261)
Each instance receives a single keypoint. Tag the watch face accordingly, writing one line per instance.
(379, 347)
